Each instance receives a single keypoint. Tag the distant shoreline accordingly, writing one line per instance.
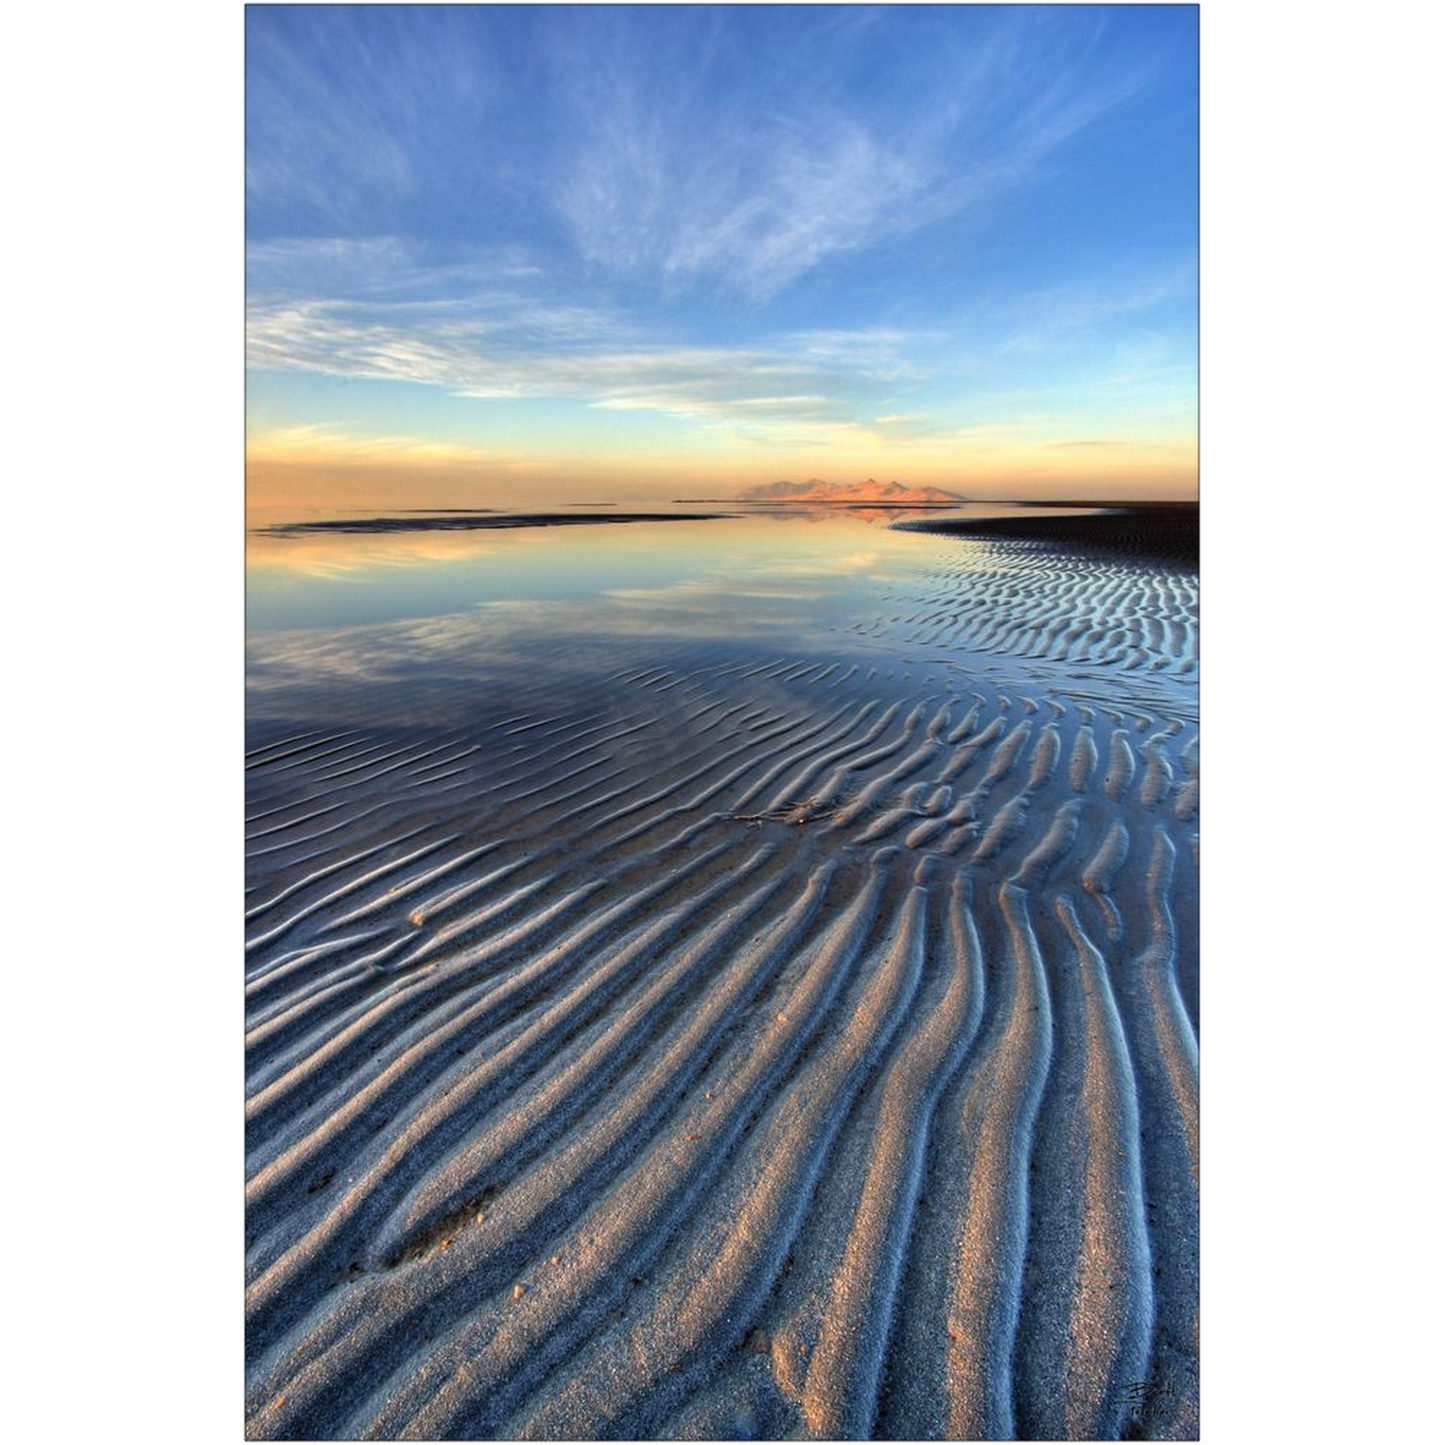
(481, 521)
(855, 504)
(1131, 503)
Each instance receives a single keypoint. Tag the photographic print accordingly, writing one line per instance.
(722, 757)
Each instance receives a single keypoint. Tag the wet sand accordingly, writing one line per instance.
(755, 1047)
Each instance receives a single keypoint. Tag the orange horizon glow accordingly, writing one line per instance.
(353, 474)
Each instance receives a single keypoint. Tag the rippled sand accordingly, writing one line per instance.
(744, 1046)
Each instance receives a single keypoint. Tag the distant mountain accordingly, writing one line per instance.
(785, 491)
(855, 493)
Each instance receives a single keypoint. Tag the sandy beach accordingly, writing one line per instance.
(750, 1046)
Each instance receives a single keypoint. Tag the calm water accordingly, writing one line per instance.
(408, 625)
(342, 579)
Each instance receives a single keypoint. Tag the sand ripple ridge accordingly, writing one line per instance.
(774, 1045)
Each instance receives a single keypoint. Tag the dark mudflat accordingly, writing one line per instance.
(1169, 530)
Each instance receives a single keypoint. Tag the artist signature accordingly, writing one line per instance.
(1157, 1392)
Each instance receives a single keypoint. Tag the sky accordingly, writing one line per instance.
(546, 254)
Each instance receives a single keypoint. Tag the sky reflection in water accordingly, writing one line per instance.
(439, 615)
(345, 579)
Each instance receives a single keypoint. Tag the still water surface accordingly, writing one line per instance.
(377, 620)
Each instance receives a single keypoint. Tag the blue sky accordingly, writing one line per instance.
(945, 243)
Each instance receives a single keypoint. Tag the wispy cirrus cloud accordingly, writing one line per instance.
(507, 346)
(946, 233)
(478, 324)
(731, 151)
(383, 268)
(684, 175)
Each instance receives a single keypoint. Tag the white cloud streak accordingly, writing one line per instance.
(750, 197)
(717, 150)
(509, 348)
